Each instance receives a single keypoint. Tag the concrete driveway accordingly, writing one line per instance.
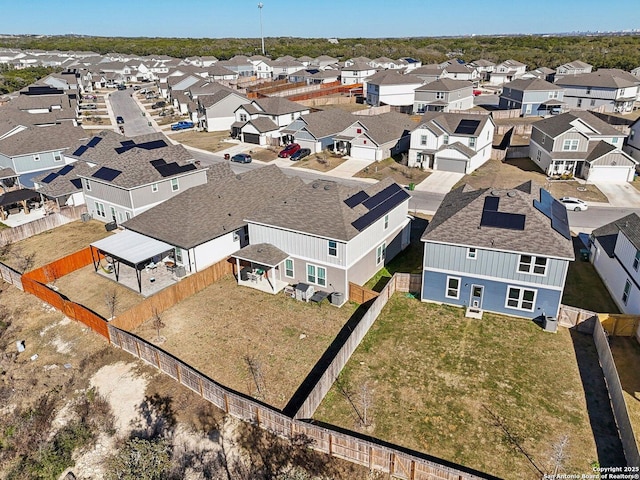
(620, 194)
(439, 182)
(349, 168)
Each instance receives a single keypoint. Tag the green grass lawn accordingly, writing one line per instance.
(435, 376)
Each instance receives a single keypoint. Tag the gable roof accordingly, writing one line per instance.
(42, 139)
(629, 226)
(205, 212)
(444, 85)
(603, 78)
(393, 77)
(279, 106)
(64, 181)
(458, 221)
(327, 122)
(319, 209)
(531, 84)
(386, 127)
(558, 124)
(445, 122)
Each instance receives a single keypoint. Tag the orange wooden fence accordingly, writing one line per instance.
(360, 294)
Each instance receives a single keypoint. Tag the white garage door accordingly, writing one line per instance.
(363, 153)
(310, 144)
(608, 174)
(451, 165)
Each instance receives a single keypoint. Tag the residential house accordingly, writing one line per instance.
(636, 72)
(240, 65)
(283, 68)
(206, 223)
(507, 71)
(220, 72)
(216, 111)
(356, 73)
(262, 120)
(375, 137)
(386, 63)
(533, 97)
(131, 175)
(324, 61)
(542, 73)
(500, 250)
(327, 235)
(615, 254)
(316, 131)
(263, 68)
(390, 87)
(576, 67)
(579, 143)
(410, 64)
(461, 71)
(443, 95)
(428, 73)
(354, 60)
(607, 90)
(483, 67)
(632, 145)
(451, 142)
(64, 185)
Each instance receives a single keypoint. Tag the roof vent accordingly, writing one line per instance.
(315, 185)
(495, 193)
(511, 194)
(326, 187)
(238, 177)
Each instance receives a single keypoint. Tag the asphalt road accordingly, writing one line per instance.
(134, 122)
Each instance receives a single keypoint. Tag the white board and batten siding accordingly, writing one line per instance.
(626, 253)
(213, 251)
(491, 263)
(614, 278)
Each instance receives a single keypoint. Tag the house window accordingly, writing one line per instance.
(553, 94)
(521, 298)
(579, 103)
(439, 95)
(243, 117)
(100, 210)
(593, 102)
(113, 213)
(588, 92)
(453, 288)
(538, 155)
(636, 261)
(333, 248)
(380, 253)
(445, 139)
(386, 221)
(154, 187)
(626, 292)
(174, 185)
(423, 139)
(178, 255)
(614, 140)
(472, 253)
(570, 145)
(531, 264)
(57, 157)
(316, 275)
(128, 215)
(288, 268)
(631, 134)
(358, 130)
(36, 158)
(87, 184)
(472, 142)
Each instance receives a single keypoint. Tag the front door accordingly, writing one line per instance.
(476, 296)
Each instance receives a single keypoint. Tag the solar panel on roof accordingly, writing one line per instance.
(491, 203)
(77, 183)
(561, 228)
(509, 221)
(94, 141)
(64, 170)
(80, 150)
(356, 199)
(381, 196)
(127, 143)
(49, 178)
(173, 168)
(381, 209)
(106, 173)
(158, 162)
(152, 145)
(467, 127)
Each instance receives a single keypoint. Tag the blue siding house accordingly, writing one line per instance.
(503, 251)
(533, 97)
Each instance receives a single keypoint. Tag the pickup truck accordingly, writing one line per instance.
(182, 125)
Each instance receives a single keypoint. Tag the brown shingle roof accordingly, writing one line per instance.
(279, 106)
(444, 85)
(605, 78)
(42, 139)
(531, 84)
(558, 124)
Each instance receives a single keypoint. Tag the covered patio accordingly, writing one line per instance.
(16, 201)
(136, 261)
(552, 106)
(258, 267)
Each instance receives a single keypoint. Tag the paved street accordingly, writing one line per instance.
(134, 122)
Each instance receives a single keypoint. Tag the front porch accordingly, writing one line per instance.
(258, 267)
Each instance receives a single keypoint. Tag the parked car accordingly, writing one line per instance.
(182, 125)
(150, 95)
(289, 150)
(300, 154)
(122, 86)
(241, 158)
(574, 204)
(159, 105)
(477, 92)
(88, 106)
(119, 119)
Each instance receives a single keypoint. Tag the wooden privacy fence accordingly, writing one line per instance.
(168, 297)
(408, 282)
(15, 234)
(348, 446)
(360, 294)
(11, 276)
(616, 395)
(572, 316)
(620, 325)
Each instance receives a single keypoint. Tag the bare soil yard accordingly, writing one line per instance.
(262, 154)
(347, 107)
(57, 243)
(626, 354)
(511, 173)
(210, 141)
(319, 162)
(452, 387)
(390, 168)
(219, 329)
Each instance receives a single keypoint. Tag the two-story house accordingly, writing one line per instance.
(130, 175)
(240, 65)
(356, 73)
(615, 254)
(461, 71)
(375, 137)
(608, 90)
(500, 250)
(216, 109)
(326, 234)
(577, 67)
(507, 71)
(262, 121)
(443, 95)
(632, 145)
(533, 97)
(579, 143)
(391, 87)
(483, 67)
(451, 142)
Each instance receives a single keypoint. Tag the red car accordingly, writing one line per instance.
(289, 150)
(477, 92)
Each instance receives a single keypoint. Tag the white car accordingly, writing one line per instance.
(574, 204)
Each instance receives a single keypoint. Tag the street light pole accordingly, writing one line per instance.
(260, 5)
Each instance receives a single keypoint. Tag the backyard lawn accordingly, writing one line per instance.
(210, 141)
(321, 162)
(390, 168)
(459, 388)
(227, 332)
(626, 355)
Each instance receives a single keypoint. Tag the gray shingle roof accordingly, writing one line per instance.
(7, 173)
(531, 84)
(263, 124)
(216, 208)
(279, 106)
(605, 78)
(558, 124)
(65, 184)
(261, 253)
(457, 221)
(628, 225)
(445, 122)
(42, 139)
(393, 77)
(386, 127)
(444, 85)
(328, 122)
(208, 100)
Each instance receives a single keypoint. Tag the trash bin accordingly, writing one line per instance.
(110, 226)
(85, 217)
(337, 298)
(227, 156)
(412, 186)
(584, 254)
(550, 324)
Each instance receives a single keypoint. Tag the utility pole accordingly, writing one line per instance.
(260, 5)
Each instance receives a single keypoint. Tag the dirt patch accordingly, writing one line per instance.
(347, 107)
(209, 141)
(390, 168)
(264, 154)
(321, 162)
(218, 329)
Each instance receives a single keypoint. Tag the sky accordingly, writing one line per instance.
(317, 18)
